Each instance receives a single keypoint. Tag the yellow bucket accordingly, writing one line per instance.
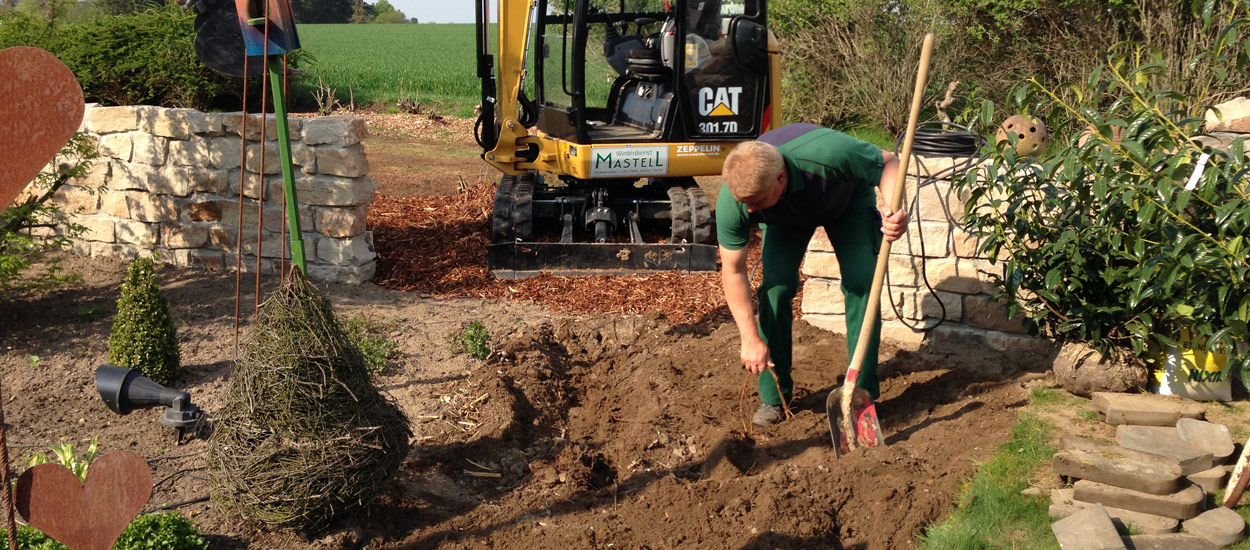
(1196, 374)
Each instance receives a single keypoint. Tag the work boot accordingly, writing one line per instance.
(767, 415)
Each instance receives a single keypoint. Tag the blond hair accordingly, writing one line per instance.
(751, 169)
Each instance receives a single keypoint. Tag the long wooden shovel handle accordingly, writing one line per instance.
(896, 199)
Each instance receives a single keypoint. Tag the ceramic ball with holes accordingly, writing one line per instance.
(1031, 134)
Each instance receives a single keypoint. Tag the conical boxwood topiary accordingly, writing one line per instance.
(304, 436)
(144, 337)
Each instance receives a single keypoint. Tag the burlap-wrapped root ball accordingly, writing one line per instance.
(304, 435)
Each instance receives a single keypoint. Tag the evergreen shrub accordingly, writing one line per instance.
(144, 337)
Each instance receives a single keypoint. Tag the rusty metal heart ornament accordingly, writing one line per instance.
(88, 515)
(41, 106)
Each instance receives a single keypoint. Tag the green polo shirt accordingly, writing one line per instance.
(825, 169)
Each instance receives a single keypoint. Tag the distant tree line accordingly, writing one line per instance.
(345, 11)
(306, 11)
(853, 62)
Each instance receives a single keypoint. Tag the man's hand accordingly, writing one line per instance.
(893, 224)
(755, 355)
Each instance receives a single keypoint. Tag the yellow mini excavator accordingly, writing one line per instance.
(600, 114)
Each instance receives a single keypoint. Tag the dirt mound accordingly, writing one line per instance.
(630, 432)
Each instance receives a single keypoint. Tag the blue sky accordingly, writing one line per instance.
(438, 11)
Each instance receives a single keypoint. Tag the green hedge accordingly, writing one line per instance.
(146, 58)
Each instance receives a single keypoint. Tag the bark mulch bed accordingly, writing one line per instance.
(437, 246)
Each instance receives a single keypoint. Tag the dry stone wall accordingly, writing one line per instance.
(172, 179)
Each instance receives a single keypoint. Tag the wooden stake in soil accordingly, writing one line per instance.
(1237, 483)
(4, 480)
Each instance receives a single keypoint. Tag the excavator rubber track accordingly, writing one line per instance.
(600, 227)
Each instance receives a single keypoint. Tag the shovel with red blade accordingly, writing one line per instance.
(852, 416)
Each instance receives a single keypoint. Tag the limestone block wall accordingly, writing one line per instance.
(172, 180)
(935, 246)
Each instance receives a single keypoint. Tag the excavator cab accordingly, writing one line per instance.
(600, 114)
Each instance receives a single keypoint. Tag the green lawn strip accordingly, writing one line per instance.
(875, 135)
(991, 512)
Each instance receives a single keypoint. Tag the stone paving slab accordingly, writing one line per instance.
(1064, 504)
(1208, 436)
(1089, 529)
(1210, 480)
(1184, 504)
(1115, 465)
(1219, 525)
(1174, 541)
(1164, 441)
(1144, 409)
(1112, 469)
(1072, 442)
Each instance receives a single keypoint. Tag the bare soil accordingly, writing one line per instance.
(581, 430)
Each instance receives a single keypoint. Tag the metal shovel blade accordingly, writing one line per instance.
(865, 424)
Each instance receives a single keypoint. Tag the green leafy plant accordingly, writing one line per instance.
(376, 349)
(161, 531)
(472, 340)
(33, 361)
(144, 337)
(1104, 242)
(67, 456)
(36, 225)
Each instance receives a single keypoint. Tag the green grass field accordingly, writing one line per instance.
(435, 65)
(432, 64)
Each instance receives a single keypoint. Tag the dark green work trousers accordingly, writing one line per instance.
(856, 239)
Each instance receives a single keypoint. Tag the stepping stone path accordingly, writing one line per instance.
(1153, 479)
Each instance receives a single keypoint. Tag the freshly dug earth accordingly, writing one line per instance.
(602, 430)
(632, 433)
(581, 430)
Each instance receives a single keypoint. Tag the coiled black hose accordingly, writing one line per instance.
(943, 139)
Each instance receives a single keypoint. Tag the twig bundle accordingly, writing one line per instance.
(304, 436)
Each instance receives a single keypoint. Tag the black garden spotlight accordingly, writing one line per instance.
(125, 390)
